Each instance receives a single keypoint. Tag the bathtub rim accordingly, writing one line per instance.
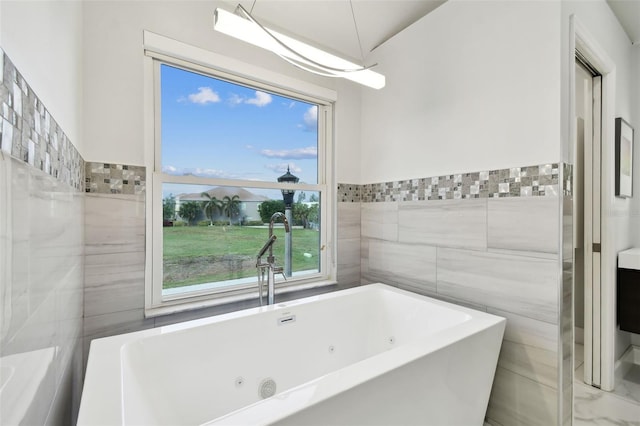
(103, 404)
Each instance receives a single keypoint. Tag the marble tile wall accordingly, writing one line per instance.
(41, 279)
(348, 255)
(499, 254)
(41, 259)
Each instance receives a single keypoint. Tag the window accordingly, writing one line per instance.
(220, 142)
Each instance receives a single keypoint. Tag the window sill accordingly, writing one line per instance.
(184, 305)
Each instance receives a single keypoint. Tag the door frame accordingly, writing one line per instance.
(591, 206)
(581, 40)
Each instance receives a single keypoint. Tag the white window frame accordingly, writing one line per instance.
(162, 50)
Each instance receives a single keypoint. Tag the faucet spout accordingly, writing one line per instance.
(275, 216)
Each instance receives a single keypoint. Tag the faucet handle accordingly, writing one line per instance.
(279, 270)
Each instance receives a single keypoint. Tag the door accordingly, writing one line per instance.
(587, 207)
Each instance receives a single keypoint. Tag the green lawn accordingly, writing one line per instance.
(199, 254)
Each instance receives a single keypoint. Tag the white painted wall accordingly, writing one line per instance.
(347, 125)
(113, 78)
(470, 87)
(44, 41)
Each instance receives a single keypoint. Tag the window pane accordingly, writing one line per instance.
(214, 128)
(212, 235)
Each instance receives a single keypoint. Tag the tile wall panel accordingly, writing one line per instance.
(348, 256)
(517, 400)
(529, 348)
(348, 262)
(446, 223)
(380, 220)
(524, 224)
(364, 261)
(112, 282)
(405, 265)
(114, 265)
(115, 253)
(114, 224)
(41, 279)
(523, 285)
(348, 221)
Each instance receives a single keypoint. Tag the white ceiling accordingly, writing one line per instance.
(628, 13)
(330, 23)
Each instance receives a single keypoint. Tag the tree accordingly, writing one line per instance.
(211, 206)
(189, 211)
(313, 198)
(268, 208)
(300, 214)
(301, 196)
(169, 207)
(231, 206)
(314, 214)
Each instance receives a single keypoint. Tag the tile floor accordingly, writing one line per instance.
(592, 406)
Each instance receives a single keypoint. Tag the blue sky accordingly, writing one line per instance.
(218, 129)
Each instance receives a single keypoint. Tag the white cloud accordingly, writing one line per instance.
(297, 153)
(204, 96)
(235, 99)
(197, 171)
(169, 170)
(310, 118)
(261, 99)
(282, 168)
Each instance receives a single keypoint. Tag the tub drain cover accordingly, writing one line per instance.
(267, 388)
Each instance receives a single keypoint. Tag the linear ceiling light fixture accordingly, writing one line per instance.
(297, 53)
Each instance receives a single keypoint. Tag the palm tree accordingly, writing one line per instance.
(211, 206)
(231, 206)
(189, 211)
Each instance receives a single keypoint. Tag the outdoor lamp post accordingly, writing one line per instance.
(287, 195)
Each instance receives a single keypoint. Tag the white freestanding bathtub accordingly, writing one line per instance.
(371, 355)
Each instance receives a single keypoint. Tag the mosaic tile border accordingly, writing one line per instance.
(528, 181)
(349, 193)
(29, 133)
(106, 178)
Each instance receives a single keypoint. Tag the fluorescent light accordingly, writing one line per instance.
(294, 51)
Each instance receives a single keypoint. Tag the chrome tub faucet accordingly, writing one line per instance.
(267, 270)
